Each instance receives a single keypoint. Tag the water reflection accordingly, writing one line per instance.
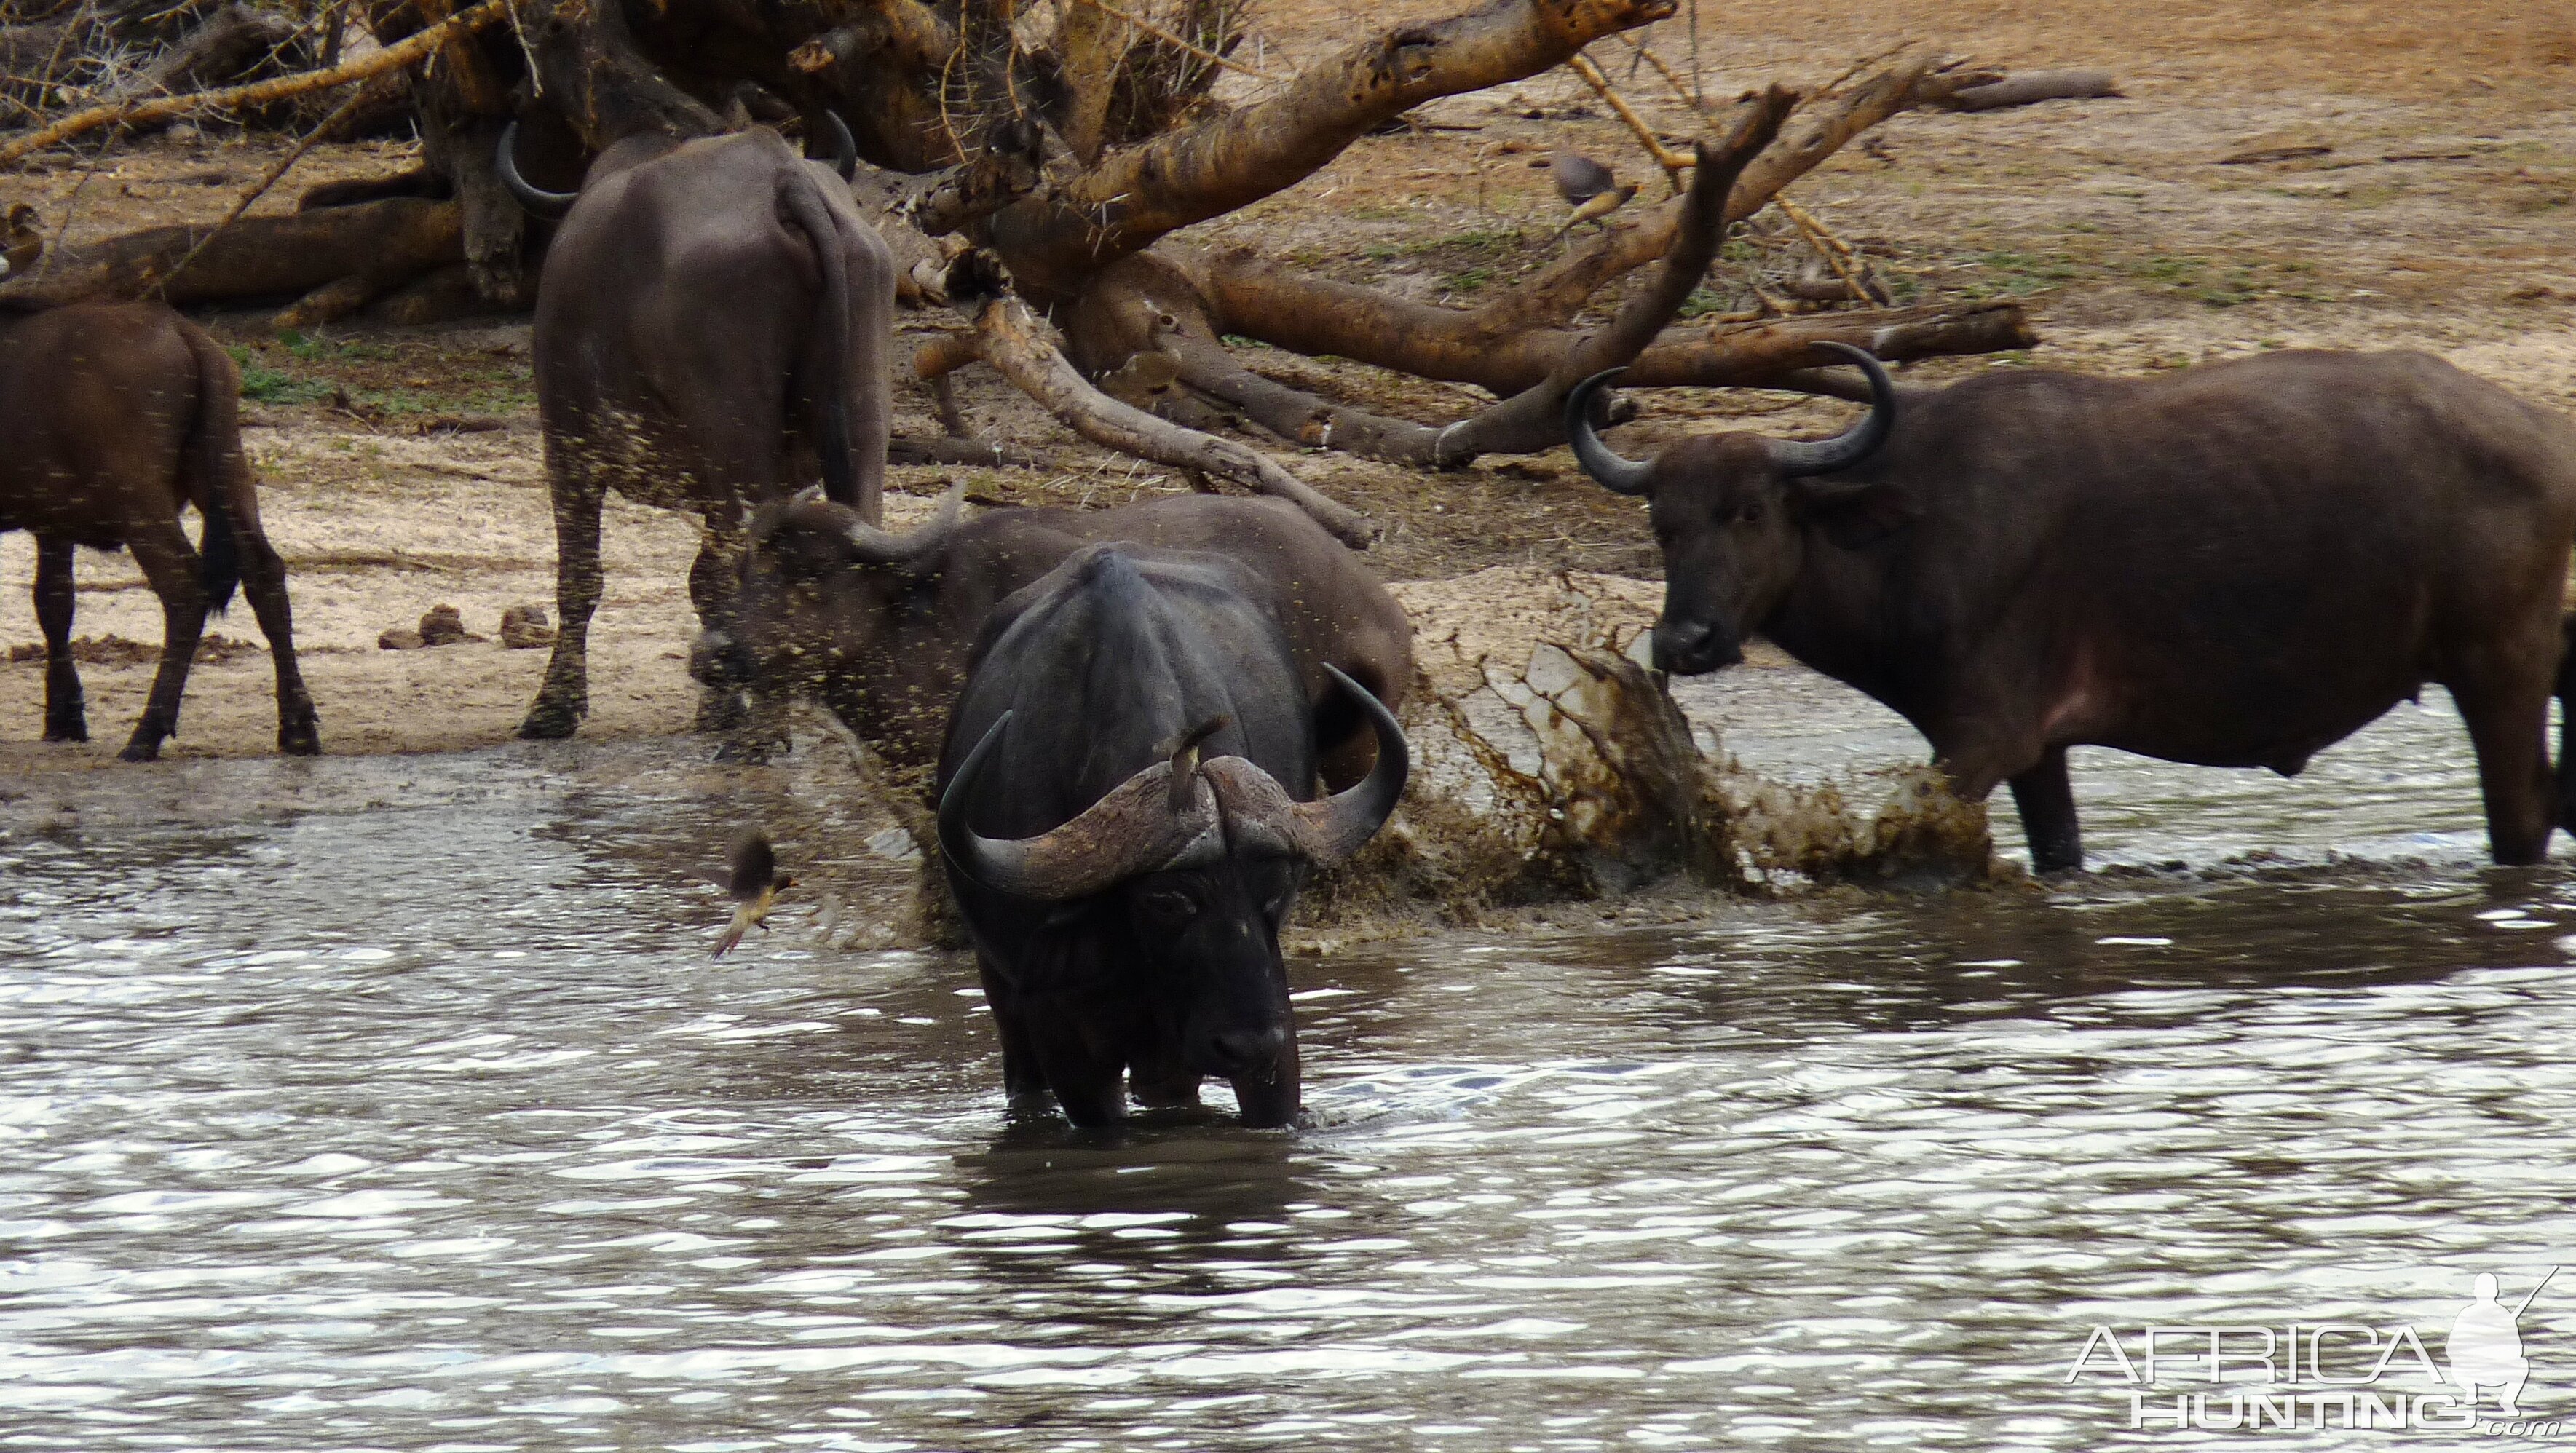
(428, 1125)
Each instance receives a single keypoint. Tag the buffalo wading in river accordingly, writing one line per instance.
(877, 626)
(2235, 565)
(1124, 820)
(713, 329)
(114, 417)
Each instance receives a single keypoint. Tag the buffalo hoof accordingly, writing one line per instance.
(720, 712)
(300, 739)
(141, 749)
(66, 729)
(549, 723)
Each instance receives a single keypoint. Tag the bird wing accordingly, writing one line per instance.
(1578, 177)
(755, 865)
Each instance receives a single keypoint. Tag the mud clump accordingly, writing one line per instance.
(442, 625)
(525, 627)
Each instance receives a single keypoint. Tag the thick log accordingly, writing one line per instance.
(386, 242)
(1057, 238)
(2034, 86)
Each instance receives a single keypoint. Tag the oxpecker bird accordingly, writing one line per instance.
(1587, 186)
(755, 884)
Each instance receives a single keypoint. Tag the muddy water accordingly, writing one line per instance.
(421, 1121)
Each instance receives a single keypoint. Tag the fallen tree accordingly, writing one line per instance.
(1069, 145)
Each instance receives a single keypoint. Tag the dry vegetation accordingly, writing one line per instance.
(2424, 195)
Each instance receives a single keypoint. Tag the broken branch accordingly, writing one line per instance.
(257, 93)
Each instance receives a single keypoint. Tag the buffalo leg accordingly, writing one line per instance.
(564, 699)
(66, 716)
(2046, 802)
(264, 580)
(171, 565)
(1022, 1080)
(2509, 725)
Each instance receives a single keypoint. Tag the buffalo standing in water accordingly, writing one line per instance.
(2234, 565)
(1120, 811)
(709, 312)
(114, 417)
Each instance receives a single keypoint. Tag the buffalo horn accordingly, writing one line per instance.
(1257, 809)
(1611, 472)
(1850, 447)
(845, 147)
(539, 202)
(1131, 830)
(872, 546)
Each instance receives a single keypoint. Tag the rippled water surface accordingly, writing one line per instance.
(429, 1125)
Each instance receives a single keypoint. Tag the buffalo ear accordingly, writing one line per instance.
(1854, 515)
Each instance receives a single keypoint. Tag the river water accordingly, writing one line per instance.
(426, 1124)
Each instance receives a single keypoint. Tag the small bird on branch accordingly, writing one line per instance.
(1587, 186)
(755, 884)
(24, 241)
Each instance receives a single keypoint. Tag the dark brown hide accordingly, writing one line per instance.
(114, 417)
(689, 355)
(2235, 565)
(884, 644)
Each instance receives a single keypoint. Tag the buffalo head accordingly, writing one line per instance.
(827, 602)
(1733, 513)
(1190, 866)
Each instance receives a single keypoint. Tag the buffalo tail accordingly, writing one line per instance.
(800, 199)
(210, 464)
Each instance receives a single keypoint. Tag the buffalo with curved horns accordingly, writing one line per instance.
(2235, 565)
(714, 329)
(877, 626)
(1127, 811)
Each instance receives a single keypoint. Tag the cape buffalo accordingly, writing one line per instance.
(1121, 817)
(2234, 565)
(878, 626)
(708, 310)
(114, 417)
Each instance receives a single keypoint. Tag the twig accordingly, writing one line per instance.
(260, 188)
(1671, 161)
(1837, 253)
(1167, 38)
(259, 93)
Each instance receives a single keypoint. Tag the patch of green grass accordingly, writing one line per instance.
(1701, 303)
(1468, 279)
(2018, 274)
(266, 385)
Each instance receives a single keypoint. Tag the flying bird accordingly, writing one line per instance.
(1590, 188)
(755, 883)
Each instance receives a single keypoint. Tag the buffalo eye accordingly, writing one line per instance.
(1169, 904)
(1751, 514)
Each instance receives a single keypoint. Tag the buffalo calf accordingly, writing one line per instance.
(114, 417)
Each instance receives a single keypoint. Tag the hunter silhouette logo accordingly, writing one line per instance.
(2327, 1375)
(2485, 1349)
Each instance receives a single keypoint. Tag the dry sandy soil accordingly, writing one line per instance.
(2439, 215)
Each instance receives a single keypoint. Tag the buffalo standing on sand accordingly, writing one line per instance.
(1123, 820)
(2235, 565)
(713, 326)
(877, 626)
(114, 417)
